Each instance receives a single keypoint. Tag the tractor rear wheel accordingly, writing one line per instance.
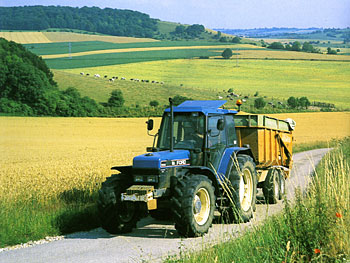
(116, 217)
(271, 187)
(242, 190)
(193, 205)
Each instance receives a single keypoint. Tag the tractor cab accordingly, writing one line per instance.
(201, 128)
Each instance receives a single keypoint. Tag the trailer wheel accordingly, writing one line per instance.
(271, 187)
(282, 185)
(243, 178)
(116, 217)
(193, 205)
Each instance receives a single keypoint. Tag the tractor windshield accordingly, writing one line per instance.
(188, 131)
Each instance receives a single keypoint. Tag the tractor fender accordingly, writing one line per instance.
(123, 169)
(206, 172)
(238, 151)
(244, 150)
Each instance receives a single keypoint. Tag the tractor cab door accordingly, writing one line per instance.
(216, 141)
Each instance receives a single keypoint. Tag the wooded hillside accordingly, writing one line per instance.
(106, 21)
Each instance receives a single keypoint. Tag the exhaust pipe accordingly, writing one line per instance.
(171, 125)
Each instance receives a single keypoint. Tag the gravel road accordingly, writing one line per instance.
(153, 240)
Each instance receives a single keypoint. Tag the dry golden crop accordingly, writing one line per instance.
(52, 37)
(47, 156)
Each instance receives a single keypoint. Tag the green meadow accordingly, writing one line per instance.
(107, 59)
(325, 81)
(83, 46)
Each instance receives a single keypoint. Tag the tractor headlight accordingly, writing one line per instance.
(138, 178)
(152, 179)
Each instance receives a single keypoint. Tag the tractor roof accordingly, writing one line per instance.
(204, 106)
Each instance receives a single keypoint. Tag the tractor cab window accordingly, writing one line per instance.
(188, 131)
(216, 141)
(231, 131)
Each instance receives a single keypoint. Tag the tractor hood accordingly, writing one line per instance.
(157, 160)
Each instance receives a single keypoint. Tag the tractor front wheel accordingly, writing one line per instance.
(116, 217)
(193, 205)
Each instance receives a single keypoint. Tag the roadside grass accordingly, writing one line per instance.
(302, 147)
(325, 81)
(21, 222)
(313, 228)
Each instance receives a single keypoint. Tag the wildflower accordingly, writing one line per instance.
(317, 251)
(338, 215)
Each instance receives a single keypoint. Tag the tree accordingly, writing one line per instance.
(116, 99)
(177, 100)
(331, 51)
(259, 103)
(223, 39)
(304, 102)
(218, 35)
(236, 40)
(292, 102)
(227, 53)
(276, 45)
(195, 30)
(296, 46)
(307, 47)
(180, 29)
(154, 103)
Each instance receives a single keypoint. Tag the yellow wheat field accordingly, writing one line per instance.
(47, 156)
(51, 37)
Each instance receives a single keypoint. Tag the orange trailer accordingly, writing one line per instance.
(270, 140)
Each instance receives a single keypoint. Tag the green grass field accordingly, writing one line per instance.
(62, 47)
(133, 92)
(326, 81)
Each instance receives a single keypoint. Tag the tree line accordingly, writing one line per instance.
(297, 46)
(106, 21)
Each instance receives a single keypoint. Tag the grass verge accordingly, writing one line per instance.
(315, 228)
(32, 218)
(302, 147)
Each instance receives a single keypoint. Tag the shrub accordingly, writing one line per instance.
(227, 53)
(177, 100)
(276, 45)
(292, 102)
(154, 103)
(116, 99)
(259, 103)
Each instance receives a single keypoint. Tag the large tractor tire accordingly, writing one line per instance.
(271, 187)
(282, 184)
(242, 191)
(116, 217)
(193, 205)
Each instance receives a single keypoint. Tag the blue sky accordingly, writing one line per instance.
(226, 13)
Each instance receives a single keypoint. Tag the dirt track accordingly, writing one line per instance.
(153, 240)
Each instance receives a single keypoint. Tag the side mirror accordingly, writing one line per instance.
(220, 125)
(149, 124)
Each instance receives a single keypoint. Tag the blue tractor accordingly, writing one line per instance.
(194, 168)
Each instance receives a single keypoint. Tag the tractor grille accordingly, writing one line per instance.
(139, 189)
